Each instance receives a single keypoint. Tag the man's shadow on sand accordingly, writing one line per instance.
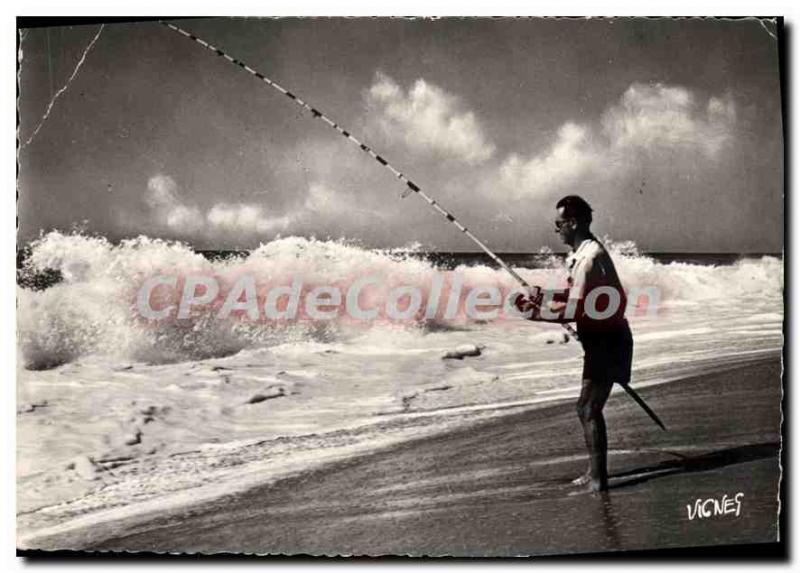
(701, 463)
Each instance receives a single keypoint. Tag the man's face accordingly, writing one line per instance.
(565, 227)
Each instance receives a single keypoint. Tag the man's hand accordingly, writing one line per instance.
(531, 302)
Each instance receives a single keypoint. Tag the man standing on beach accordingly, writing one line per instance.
(596, 302)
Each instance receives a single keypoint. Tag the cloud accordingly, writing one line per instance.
(659, 116)
(571, 156)
(238, 219)
(184, 219)
(427, 118)
(245, 221)
(162, 191)
(648, 120)
(671, 135)
(164, 200)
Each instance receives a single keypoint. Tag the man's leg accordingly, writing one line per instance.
(594, 394)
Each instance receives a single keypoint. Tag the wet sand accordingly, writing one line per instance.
(501, 488)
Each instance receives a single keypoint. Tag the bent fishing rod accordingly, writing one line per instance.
(411, 186)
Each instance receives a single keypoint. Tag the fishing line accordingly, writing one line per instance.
(63, 88)
(368, 150)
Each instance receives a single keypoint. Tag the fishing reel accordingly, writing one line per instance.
(533, 300)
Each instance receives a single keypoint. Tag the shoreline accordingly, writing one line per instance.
(117, 533)
(220, 467)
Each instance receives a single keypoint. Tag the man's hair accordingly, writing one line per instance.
(577, 208)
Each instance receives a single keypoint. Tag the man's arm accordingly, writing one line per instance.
(559, 311)
(564, 306)
(549, 306)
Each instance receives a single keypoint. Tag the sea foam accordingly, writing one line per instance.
(93, 310)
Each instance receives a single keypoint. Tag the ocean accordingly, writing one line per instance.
(115, 412)
(38, 279)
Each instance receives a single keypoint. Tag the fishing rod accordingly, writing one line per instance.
(364, 147)
(410, 184)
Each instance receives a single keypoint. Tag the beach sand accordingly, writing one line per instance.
(501, 488)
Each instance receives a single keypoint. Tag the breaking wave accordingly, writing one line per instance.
(92, 310)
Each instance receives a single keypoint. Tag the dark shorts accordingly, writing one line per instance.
(608, 355)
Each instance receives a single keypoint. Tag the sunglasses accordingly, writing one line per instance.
(560, 224)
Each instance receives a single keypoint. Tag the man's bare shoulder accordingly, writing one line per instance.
(591, 250)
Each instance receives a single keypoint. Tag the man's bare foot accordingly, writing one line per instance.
(599, 485)
(595, 485)
(585, 479)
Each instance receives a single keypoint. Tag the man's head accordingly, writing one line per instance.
(574, 216)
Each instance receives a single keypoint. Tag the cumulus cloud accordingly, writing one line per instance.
(427, 118)
(184, 219)
(669, 134)
(244, 220)
(162, 191)
(171, 211)
(653, 116)
(164, 201)
(571, 156)
(648, 119)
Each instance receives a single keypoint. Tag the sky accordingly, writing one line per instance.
(671, 129)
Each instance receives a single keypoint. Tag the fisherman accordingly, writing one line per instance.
(596, 302)
(605, 336)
